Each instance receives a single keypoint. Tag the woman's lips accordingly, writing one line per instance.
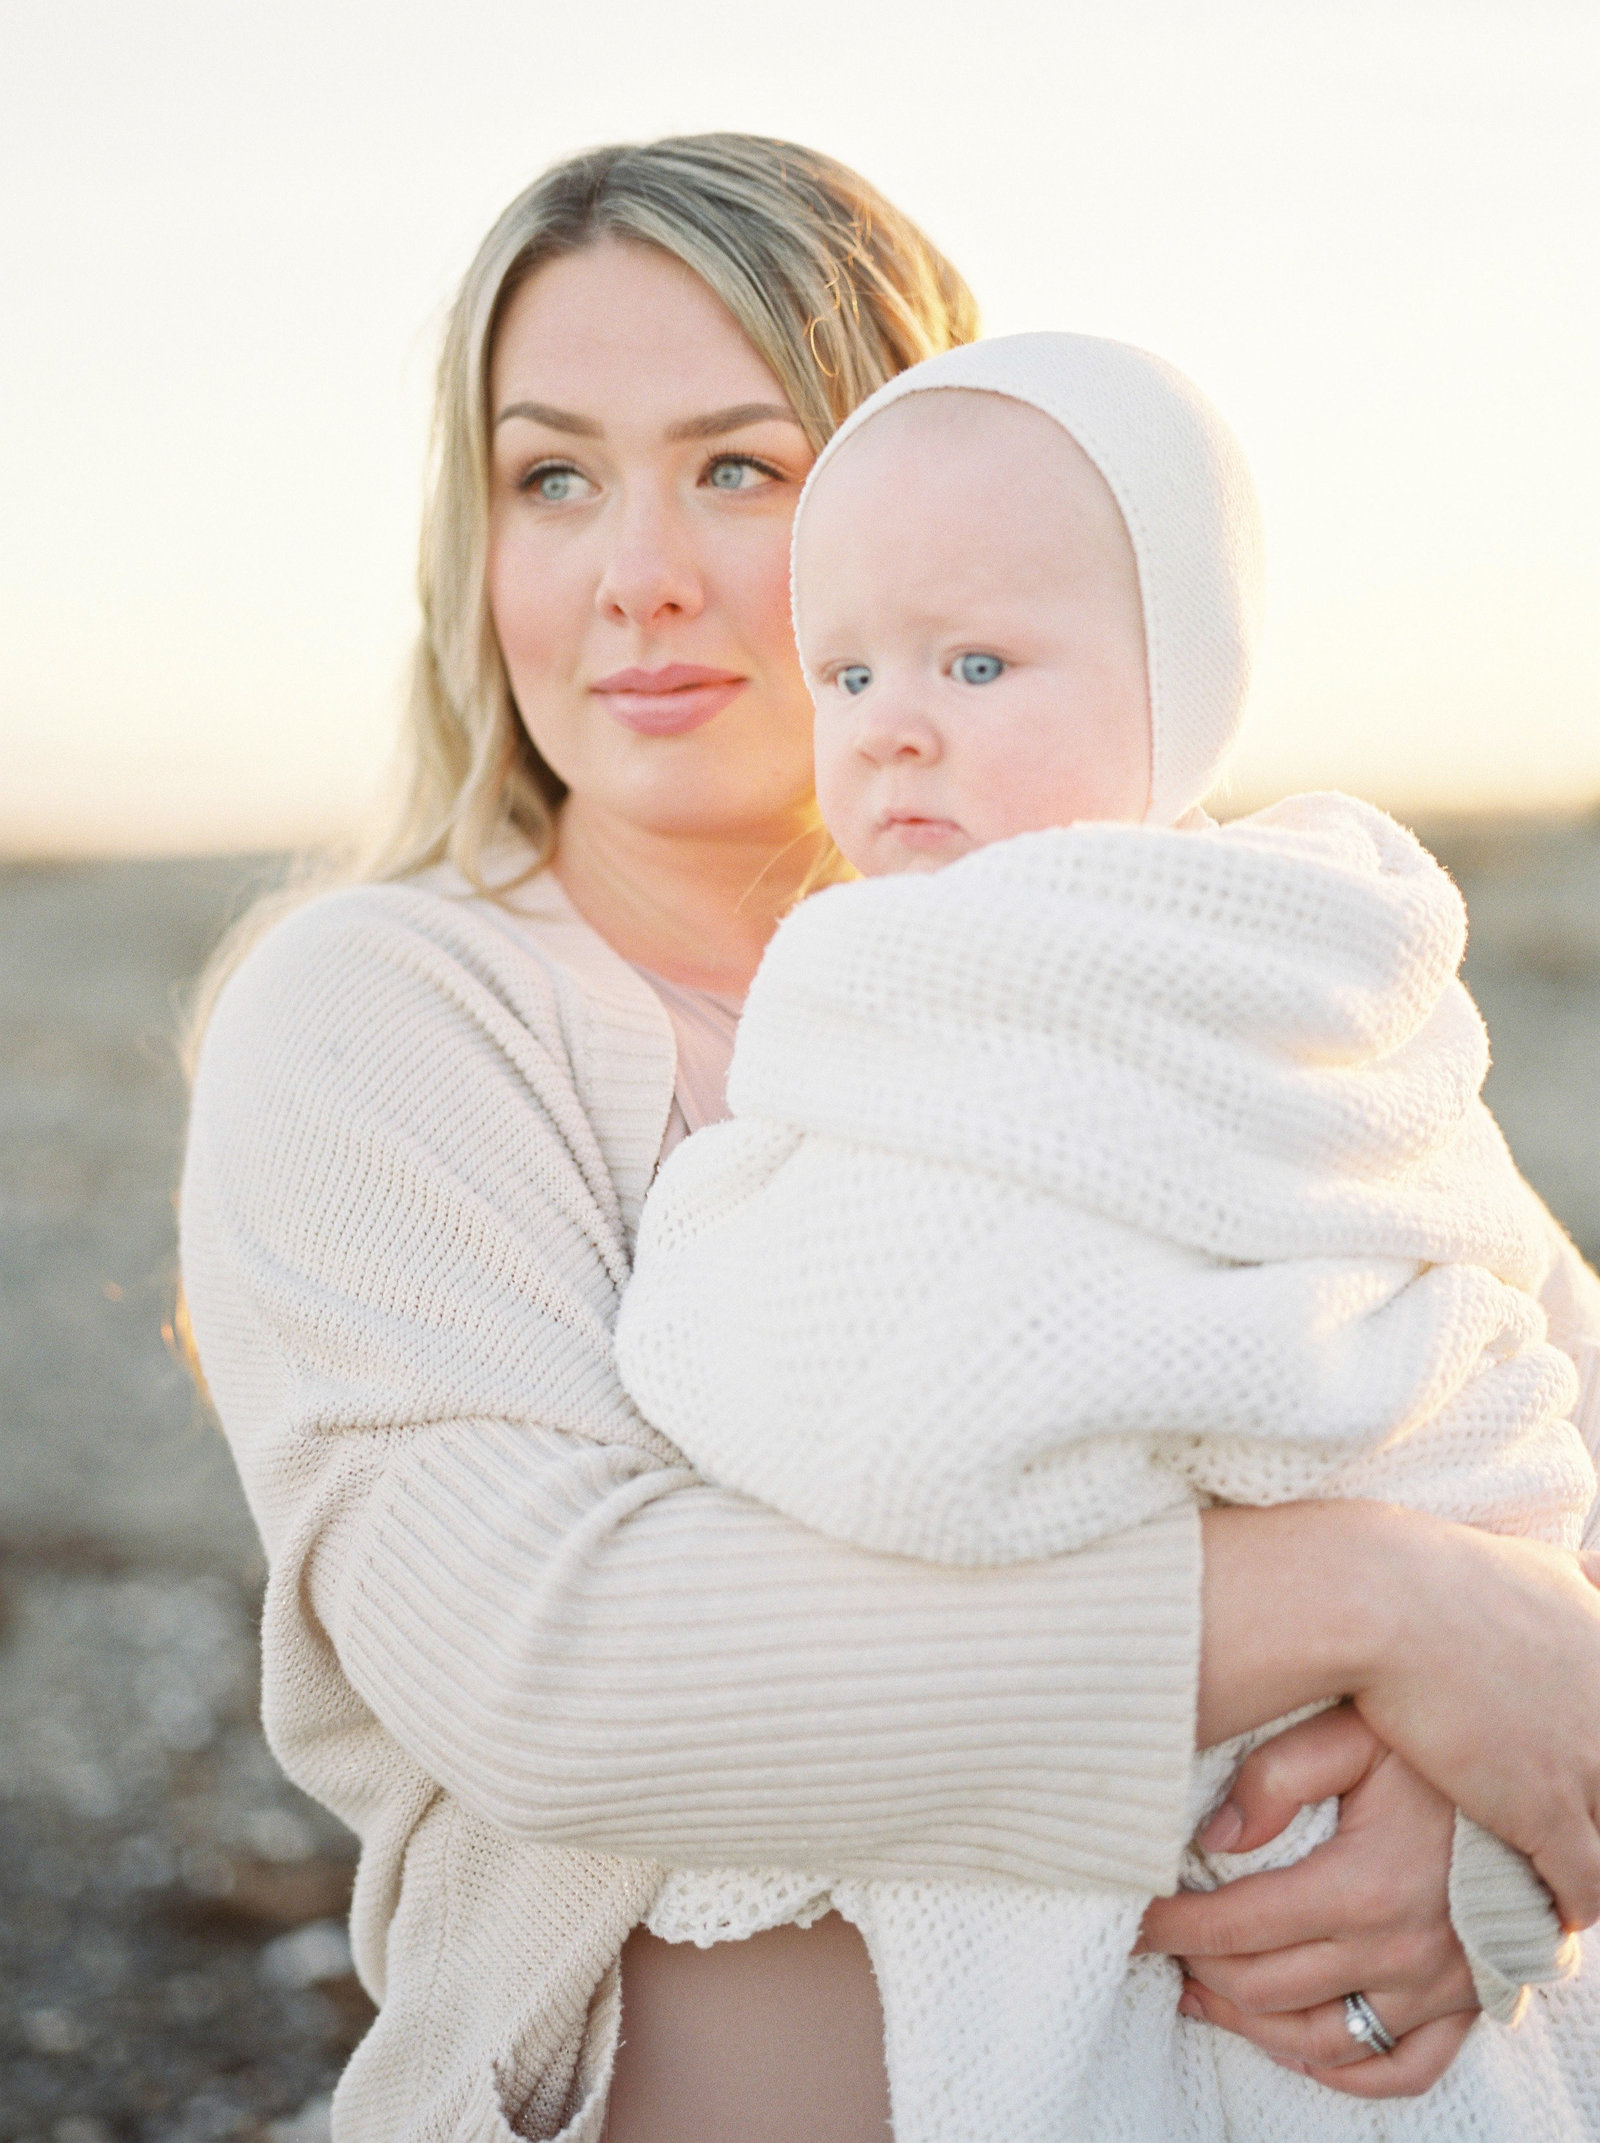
(668, 702)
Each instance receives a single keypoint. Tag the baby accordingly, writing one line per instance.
(1086, 1159)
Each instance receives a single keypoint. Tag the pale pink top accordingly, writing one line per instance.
(703, 1026)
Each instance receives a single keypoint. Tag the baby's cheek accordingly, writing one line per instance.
(1062, 758)
(841, 778)
(1003, 782)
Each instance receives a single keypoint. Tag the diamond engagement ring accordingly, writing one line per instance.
(1363, 2022)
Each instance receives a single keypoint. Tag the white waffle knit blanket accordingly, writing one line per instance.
(1110, 1168)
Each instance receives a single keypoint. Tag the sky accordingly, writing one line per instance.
(230, 234)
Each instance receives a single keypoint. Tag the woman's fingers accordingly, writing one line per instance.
(1318, 2041)
(1311, 2038)
(1415, 2066)
(1272, 1956)
(1275, 1911)
(1383, 1885)
(1570, 1868)
(1321, 1757)
(1369, 1910)
(1566, 1855)
(1373, 1908)
(1427, 1971)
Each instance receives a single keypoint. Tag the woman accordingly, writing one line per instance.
(508, 1636)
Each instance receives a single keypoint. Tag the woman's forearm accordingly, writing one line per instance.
(600, 1653)
(1294, 1608)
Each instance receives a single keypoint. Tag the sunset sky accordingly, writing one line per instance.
(231, 232)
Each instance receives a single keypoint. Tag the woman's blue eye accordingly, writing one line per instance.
(855, 679)
(555, 486)
(979, 669)
(731, 475)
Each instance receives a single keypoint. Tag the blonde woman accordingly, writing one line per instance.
(509, 1636)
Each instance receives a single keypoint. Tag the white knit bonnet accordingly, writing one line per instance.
(1186, 493)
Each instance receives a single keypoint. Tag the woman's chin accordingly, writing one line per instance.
(711, 784)
(666, 805)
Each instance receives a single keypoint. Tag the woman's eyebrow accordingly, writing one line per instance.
(711, 426)
(557, 420)
(735, 419)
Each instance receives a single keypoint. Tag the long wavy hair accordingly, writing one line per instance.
(836, 290)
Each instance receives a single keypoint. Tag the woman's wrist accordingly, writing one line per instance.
(1474, 1655)
(1299, 1603)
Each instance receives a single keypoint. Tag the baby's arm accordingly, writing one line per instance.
(897, 1353)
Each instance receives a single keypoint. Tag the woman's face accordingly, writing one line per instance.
(643, 475)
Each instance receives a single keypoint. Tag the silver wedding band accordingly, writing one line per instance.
(1363, 2022)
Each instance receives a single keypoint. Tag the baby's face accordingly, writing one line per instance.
(970, 624)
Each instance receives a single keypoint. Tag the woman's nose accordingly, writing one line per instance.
(649, 574)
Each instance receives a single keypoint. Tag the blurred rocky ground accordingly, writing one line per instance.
(1533, 963)
(173, 1967)
(173, 1963)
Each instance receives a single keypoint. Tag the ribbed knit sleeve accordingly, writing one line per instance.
(1506, 1921)
(415, 1157)
(613, 1655)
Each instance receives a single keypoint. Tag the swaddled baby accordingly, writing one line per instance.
(1087, 1158)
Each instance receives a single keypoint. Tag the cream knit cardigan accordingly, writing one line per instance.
(1108, 1168)
(509, 1636)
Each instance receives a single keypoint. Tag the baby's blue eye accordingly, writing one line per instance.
(855, 679)
(978, 669)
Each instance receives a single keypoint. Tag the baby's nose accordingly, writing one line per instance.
(893, 724)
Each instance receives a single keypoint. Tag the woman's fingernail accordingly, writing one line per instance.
(1223, 1828)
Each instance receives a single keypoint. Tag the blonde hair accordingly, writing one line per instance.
(836, 290)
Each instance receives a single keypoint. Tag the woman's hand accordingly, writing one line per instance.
(1272, 1956)
(1515, 1742)
(1475, 1657)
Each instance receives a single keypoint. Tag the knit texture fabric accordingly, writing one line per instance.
(509, 1636)
(1512, 1938)
(1108, 1170)
(1189, 501)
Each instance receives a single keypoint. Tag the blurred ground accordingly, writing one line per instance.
(172, 1966)
(172, 1959)
(1533, 962)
